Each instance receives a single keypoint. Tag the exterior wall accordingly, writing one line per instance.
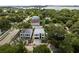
(25, 36)
(39, 33)
(36, 36)
(42, 36)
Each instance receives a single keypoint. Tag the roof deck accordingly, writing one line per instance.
(39, 30)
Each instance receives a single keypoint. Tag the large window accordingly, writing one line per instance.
(27, 37)
(36, 37)
(27, 34)
(42, 37)
(21, 34)
(42, 34)
(36, 34)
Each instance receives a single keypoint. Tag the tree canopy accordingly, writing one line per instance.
(41, 49)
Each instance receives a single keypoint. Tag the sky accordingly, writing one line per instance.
(37, 2)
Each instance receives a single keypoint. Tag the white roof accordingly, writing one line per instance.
(28, 31)
(39, 30)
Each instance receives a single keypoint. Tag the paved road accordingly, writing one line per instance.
(9, 37)
(4, 35)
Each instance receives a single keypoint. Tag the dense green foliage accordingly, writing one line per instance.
(24, 25)
(62, 28)
(41, 49)
(17, 48)
(4, 24)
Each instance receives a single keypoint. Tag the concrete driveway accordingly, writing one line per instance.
(37, 41)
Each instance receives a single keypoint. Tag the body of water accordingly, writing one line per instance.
(59, 8)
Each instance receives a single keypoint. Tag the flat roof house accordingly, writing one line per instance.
(39, 33)
(26, 34)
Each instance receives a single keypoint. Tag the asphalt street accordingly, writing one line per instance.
(9, 37)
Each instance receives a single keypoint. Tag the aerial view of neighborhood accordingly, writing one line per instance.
(39, 29)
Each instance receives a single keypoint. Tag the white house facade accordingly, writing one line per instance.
(26, 34)
(39, 33)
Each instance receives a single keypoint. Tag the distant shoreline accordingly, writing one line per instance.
(41, 6)
(57, 7)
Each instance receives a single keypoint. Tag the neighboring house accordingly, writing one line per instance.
(39, 33)
(35, 21)
(26, 34)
